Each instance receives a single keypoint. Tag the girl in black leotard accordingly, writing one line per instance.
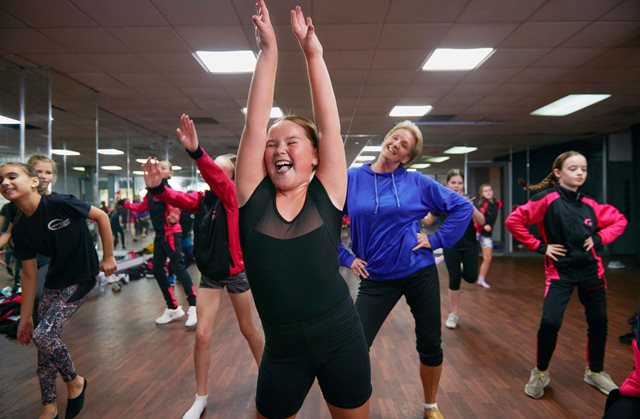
(290, 231)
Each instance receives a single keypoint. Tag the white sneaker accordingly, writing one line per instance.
(170, 315)
(192, 318)
(483, 283)
(600, 380)
(197, 408)
(538, 380)
(452, 320)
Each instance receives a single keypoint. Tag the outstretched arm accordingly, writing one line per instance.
(250, 165)
(332, 164)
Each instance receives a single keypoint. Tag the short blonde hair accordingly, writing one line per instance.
(415, 132)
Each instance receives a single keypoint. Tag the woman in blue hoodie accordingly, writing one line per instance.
(385, 203)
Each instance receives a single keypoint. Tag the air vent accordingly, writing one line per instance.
(204, 120)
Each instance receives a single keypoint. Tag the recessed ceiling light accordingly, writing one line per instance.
(460, 150)
(110, 151)
(111, 168)
(176, 167)
(365, 158)
(437, 159)
(276, 112)
(138, 172)
(8, 121)
(412, 170)
(79, 168)
(143, 161)
(372, 148)
(400, 111)
(450, 59)
(227, 61)
(420, 165)
(62, 152)
(569, 104)
(356, 165)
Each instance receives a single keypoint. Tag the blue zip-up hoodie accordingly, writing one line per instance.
(385, 211)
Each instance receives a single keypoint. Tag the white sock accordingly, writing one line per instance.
(197, 408)
(431, 405)
(480, 278)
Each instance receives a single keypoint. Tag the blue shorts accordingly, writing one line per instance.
(235, 284)
(331, 348)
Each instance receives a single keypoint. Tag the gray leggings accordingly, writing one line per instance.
(56, 306)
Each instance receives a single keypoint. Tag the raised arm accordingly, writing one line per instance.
(216, 178)
(157, 188)
(332, 164)
(250, 162)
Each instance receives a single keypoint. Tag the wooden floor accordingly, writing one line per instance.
(139, 370)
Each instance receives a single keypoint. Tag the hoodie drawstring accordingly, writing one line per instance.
(395, 190)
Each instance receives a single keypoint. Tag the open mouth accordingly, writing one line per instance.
(283, 166)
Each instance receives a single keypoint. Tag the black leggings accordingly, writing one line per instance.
(592, 294)
(469, 260)
(161, 251)
(376, 299)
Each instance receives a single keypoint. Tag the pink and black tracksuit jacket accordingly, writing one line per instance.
(567, 218)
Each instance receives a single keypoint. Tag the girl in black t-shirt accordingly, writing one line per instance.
(54, 226)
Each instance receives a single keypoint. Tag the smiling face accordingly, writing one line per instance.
(16, 182)
(487, 192)
(45, 173)
(456, 184)
(573, 173)
(398, 146)
(289, 156)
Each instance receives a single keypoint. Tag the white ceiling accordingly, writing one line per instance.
(137, 56)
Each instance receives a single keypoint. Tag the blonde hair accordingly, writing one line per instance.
(308, 125)
(550, 180)
(417, 136)
(231, 158)
(45, 159)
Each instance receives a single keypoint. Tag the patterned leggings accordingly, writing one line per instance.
(56, 306)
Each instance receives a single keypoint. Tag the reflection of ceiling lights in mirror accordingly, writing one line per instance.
(276, 112)
(110, 151)
(420, 165)
(138, 172)
(408, 111)
(141, 160)
(62, 152)
(372, 148)
(176, 167)
(569, 104)
(8, 121)
(460, 150)
(365, 158)
(111, 168)
(78, 168)
(450, 59)
(355, 165)
(227, 61)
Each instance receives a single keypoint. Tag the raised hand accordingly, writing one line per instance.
(187, 133)
(304, 30)
(152, 174)
(265, 36)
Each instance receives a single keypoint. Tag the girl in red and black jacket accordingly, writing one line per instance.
(572, 228)
(216, 249)
(489, 207)
(167, 244)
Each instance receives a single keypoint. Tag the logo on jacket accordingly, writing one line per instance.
(588, 222)
(58, 224)
(214, 214)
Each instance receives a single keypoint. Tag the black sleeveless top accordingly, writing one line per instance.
(292, 267)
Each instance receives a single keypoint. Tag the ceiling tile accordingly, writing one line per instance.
(498, 10)
(192, 13)
(415, 36)
(86, 40)
(64, 63)
(424, 11)
(348, 37)
(567, 57)
(29, 41)
(603, 34)
(542, 34)
(352, 11)
(215, 38)
(567, 10)
(56, 13)
(123, 12)
(118, 63)
(627, 10)
(149, 39)
(173, 62)
(470, 35)
(513, 57)
(398, 60)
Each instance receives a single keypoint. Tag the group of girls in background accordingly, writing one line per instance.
(281, 221)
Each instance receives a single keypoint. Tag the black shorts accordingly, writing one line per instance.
(235, 284)
(331, 348)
